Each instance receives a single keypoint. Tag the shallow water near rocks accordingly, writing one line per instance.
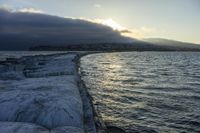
(146, 91)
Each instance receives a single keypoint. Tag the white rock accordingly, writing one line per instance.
(51, 102)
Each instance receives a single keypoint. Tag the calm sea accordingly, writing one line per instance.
(146, 91)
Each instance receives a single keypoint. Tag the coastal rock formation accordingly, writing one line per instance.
(41, 94)
(50, 102)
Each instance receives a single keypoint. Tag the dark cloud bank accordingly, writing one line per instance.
(20, 31)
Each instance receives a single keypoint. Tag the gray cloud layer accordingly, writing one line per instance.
(21, 30)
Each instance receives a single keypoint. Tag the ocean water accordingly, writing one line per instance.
(146, 92)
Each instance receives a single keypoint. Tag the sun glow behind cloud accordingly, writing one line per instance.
(138, 33)
(110, 22)
(123, 30)
(116, 26)
(135, 33)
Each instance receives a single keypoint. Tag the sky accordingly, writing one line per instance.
(171, 19)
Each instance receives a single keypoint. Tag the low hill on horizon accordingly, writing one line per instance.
(150, 44)
(173, 44)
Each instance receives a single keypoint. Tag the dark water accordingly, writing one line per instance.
(146, 91)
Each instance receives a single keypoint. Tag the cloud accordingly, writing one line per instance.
(27, 9)
(30, 10)
(139, 33)
(133, 33)
(109, 22)
(21, 30)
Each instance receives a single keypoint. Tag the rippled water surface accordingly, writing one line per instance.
(146, 91)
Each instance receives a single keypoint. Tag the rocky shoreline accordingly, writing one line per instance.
(45, 94)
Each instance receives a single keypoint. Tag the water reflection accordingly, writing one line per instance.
(110, 69)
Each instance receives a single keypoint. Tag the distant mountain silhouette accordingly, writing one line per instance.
(99, 46)
(173, 44)
(133, 46)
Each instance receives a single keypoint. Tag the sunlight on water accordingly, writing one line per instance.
(146, 91)
(115, 66)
